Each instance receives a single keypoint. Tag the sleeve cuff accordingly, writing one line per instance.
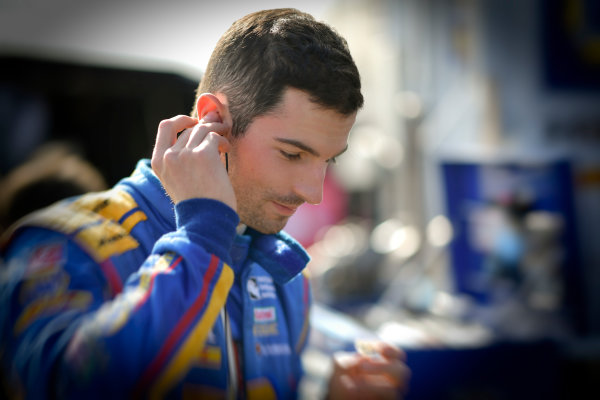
(210, 223)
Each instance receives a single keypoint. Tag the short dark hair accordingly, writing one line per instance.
(265, 52)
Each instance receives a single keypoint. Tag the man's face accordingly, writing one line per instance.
(280, 161)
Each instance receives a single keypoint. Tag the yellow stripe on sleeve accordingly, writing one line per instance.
(132, 220)
(185, 357)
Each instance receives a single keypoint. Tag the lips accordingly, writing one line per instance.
(285, 209)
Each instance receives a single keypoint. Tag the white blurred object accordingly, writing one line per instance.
(430, 332)
(408, 104)
(394, 237)
(439, 231)
(371, 152)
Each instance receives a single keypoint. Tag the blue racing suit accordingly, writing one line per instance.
(121, 294)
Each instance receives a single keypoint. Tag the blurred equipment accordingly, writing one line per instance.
(514, 250)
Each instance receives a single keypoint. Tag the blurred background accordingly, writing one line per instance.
(460, 225)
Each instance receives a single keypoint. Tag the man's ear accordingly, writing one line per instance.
(208, 102)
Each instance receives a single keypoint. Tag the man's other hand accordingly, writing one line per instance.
(380, 375)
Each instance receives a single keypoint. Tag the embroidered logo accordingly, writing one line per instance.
(273, 349)
(264, 314)
(45, 259)
(260, 287)
(268, 329)
(253, 289)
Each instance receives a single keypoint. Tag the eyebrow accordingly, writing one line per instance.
(307, 148)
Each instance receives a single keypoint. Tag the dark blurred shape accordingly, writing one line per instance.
(111, 111)
(23, 124)
(55, 171)
(570, 33)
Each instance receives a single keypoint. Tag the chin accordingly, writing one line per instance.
(268, 228)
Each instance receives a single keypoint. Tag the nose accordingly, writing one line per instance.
(309, 185)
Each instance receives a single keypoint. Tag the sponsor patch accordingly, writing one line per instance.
(261, 287)
(273, 349)
(253, 289)
(44, 286)
(45, 260)
(49, 305)
(156, 264)
(112, 316)
(100, 221)
(106, 239)
(268, 329)
(113, 205)
(264, 314)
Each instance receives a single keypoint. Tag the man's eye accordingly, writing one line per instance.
(332, 160)
(290, 156)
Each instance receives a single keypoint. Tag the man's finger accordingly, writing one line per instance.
(168, 130)
(199, 132)
(376, 387)
(211, 116)
(391, 352)
(182, 138)
(394, 373)
(219, 142)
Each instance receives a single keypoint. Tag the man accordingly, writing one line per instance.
(135, 292)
